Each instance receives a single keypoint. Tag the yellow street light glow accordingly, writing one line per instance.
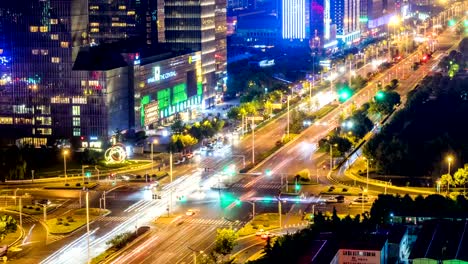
(449, 159)
(155, 141)
(394, 20)
(65, 152)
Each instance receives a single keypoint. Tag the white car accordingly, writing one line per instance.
(331, 200)
(190, 212)
(259, 232)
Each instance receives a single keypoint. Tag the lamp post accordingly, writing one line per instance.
(367, 172)
(87, 224)
(288, 117)
(279, 211)
(253, 140)
(449, 160)
(331, 155)
(65, 153)
(170, 165)
(362, 202)
(155, 141)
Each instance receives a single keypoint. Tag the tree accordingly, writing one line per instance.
(446, 180)
(234, 113)
(7, 225)
(385, 105)
(461, 176)
(394, 84)
(226, 239)
(178, 127)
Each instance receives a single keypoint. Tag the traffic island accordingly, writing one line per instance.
(119, 243)
(72, 186)
(73, 220)
(266, 222)
(31, 209)
(332, 190)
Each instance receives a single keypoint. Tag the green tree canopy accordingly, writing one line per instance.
(225, 241)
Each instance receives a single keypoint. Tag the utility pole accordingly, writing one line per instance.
(288, 118)
(170, 165)
(253, 141)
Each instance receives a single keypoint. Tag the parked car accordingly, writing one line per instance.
(331, 200)
(267, 234)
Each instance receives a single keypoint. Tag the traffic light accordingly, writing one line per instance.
(182, 198)
(297, 187)
(452, 22)
(88, 174)
(380, 95)
(238, 202)
(344, 94)
(379, 85)
(268, 172)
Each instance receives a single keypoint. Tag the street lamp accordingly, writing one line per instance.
(438, 186)
(288, 117)
(87, 223)
(331, 155)
(155, 141)
(367, 169)
(449, 160)
(362, 200)
(65, 153)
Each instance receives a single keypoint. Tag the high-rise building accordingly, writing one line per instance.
(345, 15)
(192, 25)
(117, 20)
(41, 97)
(221, 45)
(295, 19)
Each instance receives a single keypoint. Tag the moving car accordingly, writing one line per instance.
(266, 235)
(190, 212)
(259, 232)
(331, 200)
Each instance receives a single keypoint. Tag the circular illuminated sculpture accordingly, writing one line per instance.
(115, 154)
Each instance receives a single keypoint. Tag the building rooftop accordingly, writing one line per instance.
(262, 21)
(442, 240)
(365, 242)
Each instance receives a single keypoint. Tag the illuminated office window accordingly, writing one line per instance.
(76, 121)
(54, 36)
(122, 7)
(35, 52)
(55, 60)
(53, 21)
(44, 29)
(64, 44)
(76, 110)
(76, 131)
(44, 52)
(33, 28)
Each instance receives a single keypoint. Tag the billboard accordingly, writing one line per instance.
(151, 113)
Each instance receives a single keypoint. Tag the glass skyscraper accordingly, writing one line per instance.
(41, 97)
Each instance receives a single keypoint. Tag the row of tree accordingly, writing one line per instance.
(418, 138)
(185, 136)
(292, 248)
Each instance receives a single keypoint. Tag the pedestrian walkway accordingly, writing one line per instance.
(274, 186)
(218, 222)
(54, 238)
(112, 219)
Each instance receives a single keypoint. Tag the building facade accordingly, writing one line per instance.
(345, 15)
(111, 21)
(166, 88)
(190, 25)
(295, 16)
(41, 97)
